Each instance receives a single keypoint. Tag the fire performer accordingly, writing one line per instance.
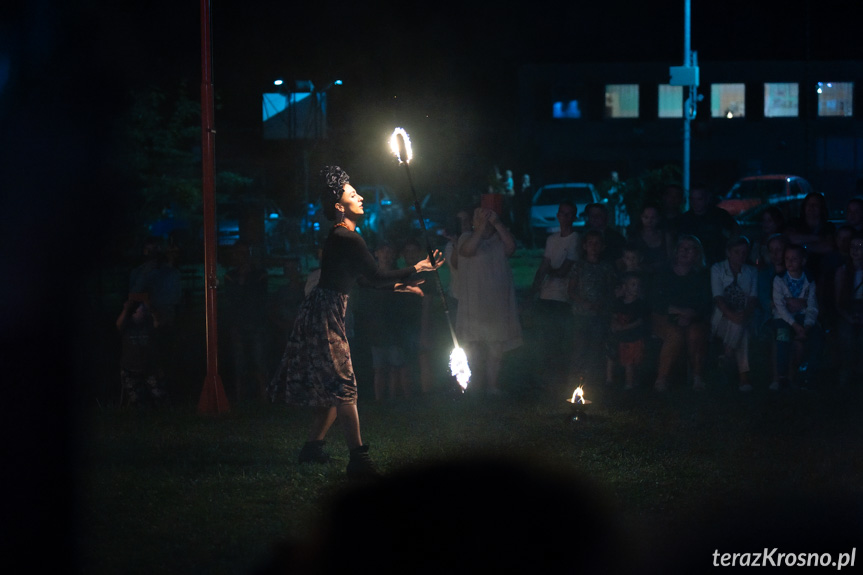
(316, 368)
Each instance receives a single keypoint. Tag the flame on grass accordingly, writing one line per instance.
(578, 396)
(459, 367)
(396, 148)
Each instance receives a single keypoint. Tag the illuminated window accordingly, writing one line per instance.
(670, 101)
(781, 100)
(567, 109)
(621, 101)
(834, 98)
(727, 100)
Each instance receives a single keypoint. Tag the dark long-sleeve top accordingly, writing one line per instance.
(346, 259)
(690, 291)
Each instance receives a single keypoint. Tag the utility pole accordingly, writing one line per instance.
(687, 75)
(213, 398)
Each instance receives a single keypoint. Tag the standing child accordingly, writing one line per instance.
(796, 305)
(591, 291)
(140, 370)
(631, 261)
(385, 335)
(630, 315)
(552, 304)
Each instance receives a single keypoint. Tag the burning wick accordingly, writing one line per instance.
(578, 404)
(400, 144)
(459, 367)
(578, 396)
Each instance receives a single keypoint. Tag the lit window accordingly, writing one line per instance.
(567, 109)
(834, 98)
(781, 100)
(727, 100)
(621, 101)
(670, 101)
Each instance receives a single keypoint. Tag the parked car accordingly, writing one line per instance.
(749, 221)
(543, 207)
(749, 192)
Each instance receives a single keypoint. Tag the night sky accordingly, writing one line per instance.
(447, 63)
(67, 68)
(445, 71)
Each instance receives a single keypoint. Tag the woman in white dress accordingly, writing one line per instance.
(487, 322)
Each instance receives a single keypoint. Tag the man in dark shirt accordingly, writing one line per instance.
(597, 219)
(710, 224)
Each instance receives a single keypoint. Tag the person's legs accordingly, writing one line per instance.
(696, 344)
(399, 376)
(742, 356)
(813, 348)
(324, 418)
(783, 361)
(557, 334)
(476, 357)
(313, 450)
(426, 372)
(580, 335)
(630, 371)
(494, 360)
(848, 346)
(672, 345)
(350, 421)
(403, 380)
(379, 367)
(360, 465)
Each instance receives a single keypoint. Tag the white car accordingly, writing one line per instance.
(543, 207)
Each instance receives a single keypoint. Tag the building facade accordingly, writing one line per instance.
(580, 122)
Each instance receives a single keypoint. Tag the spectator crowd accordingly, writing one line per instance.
(676, 298)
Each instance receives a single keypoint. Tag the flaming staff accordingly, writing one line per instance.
(400, 143)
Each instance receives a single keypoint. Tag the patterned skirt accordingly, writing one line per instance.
(316, 368)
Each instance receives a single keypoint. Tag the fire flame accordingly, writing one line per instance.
(394, 145)
(459, 367)
(577, 395)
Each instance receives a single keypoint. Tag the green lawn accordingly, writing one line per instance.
(170, 491)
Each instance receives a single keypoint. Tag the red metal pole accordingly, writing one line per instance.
(213, 399)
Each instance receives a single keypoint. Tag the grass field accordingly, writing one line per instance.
(171, 491)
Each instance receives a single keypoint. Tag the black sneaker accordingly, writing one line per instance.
(313, 452)
(360, 465)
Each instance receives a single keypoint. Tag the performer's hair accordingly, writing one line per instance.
(333, 179)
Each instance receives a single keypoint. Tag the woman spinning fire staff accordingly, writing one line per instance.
(316, 368)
